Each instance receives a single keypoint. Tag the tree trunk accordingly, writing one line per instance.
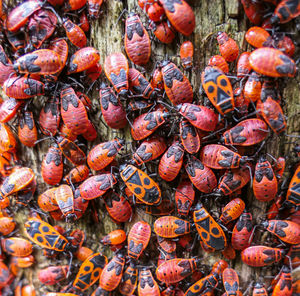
(107, 36)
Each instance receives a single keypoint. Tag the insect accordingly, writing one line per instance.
(65, 200)
(83, 253)
(218, 89)
(6, 275)
(140, 184)
(246, 133)
(103, 154)
(116, 70)
(155, 12)
(163, 32)
(115, 237)
(166, 244)
(96, 186)
(171, 162)
(16, 246)
(77, 174)
(242, 231)
(74, 4)
(138, 239)
(184, 197)
(258, 256)
(60, 46)
(219, 62)
(177, 86)
(149, 150)
(6, 66)
(111, 108)
(189, 136)
(293, 193)
(210, 232)
(175, 270)
(170, 227)
(94, 8)
(112, 273)
(180, 15)
(285, 11)
(202, 177)
(259, 290)
(27, 131)
(145, 124)
(74, 33)
(243, 67)
(228, 47)
(47, 201)
(8, 142)
(137, 41)
(232, 210)
(254, 11)
(230, 281)
(129, 280)
(186, 54)
(265, 182)
(258, 37)
(90, 271)
(147, 284)
(284, 284)
(7, 225)
(253, 87)
(83, 59)
(53, 274)
(49, 118)
(52, 165)
(272, 62)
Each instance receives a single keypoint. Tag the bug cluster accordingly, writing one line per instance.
(193, 161)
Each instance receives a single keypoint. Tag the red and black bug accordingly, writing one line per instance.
(171, 227)
(7, 225)
(228, 47)
(184, 197)
(27, 131)
(137, 41)
(129, 280)
(16, 246)
(219, 62)
(65, 200)
(230, 281)
(49, 118)
(6, 66)
(293, 193)
(186, 54)
(243, 67)
(7, 139)
(164, 32)
(284, 285)
(253, 87)
(147, 284)
(47, 201)
(53, 274)
(232, 210)
(258, 37)
(74, 33)
(94, 8)
(74, 4)
(189, 136)
(285, 11)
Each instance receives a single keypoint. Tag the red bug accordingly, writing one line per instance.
(241, 103)
(285, 11)
(285, 230)
(219, 267)
(234, 180)
(294, 254)
(23, 87)
(149, 150)
(209, 230)
(111, 108)
(147, 284)
(284, 284)
(228, 47)
(74, 33)
(230, 281)
(47, 201)
(85, 100)
(293, 193)
(53, 274)
(219, 62)
(246, 133)
(83, 59)
(93, 73)
(186, 54)
(139, 85)
(253, 87)
(202, 177)
(84, 22)
(73, 111)
(27, 131)
(65, 200)
(177, 86)
(229, 252)
(83, 253)
(103, 154)
(189, 136)
(265, 182)
(137, 41)
(218, 89)
(16, 246)
(94, 8)
(60, 46)
(6, 66)
(272, 62)
(243, 67)
(118, 207)
(287, 44)
(7, 225)
(116, 70)
(41, 61)
(17, 41)
(49, 118)
(96, 186)
(89, 272)
(170, 227)
(180, 15)
(272, 113)
(74, 4)
(163, 32)
(199, 116)
(112, 273)
(138, 239)
(129, 280)
(52, 166)
(77, 174)
(259, 290)
(171, 162)
(258, 37)
(155, 12)
(145, 124)
(258, 256)
(115, 237)
(232, 210)
(242, 232)
(184, 197)
(7, 139)
(175, 270)
(168, 245)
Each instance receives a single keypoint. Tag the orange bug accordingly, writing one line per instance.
(258, 37)
(7, 225)
(218, 89)
(184, 197)
(219, 62)
(284, 284)
(186, 54)
(293, 193)
(243, 67)
(27, 131)
(9, 108)
(6, 277)
(115, 237)
(49, 118)
(285, 11)
(53, 274)
(16, 246)
(177, 86)
(77, 174)
(129, 280)
(259, 290)
(74, 4)
(74, 33)
(167, 245)
(230, 281)
(138, 239)
(232, 210)
(65, 200)
(287, 44)
(94, 8)
(253, 87)
(189, 136)
(147, 284)
(84, 22)
(272, 62)
(229, 252)
(8, 142)
(47, 201)
(228, 47)
(163, 32)
(137, 41)
(170, 227)
(83, 253)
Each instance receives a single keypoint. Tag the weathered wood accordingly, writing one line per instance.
(107, 36)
